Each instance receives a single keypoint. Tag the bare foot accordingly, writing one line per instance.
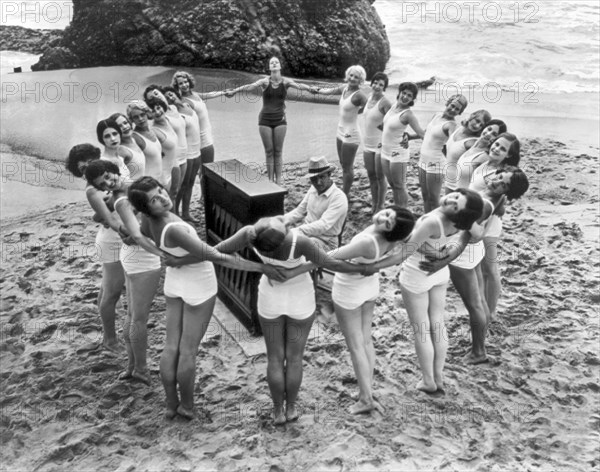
(141, 376)
(361, 407)
(427, 388)
(114, 348)
(126, 374)
(187, 413)
(278, 415)
(291, 412)
(170, 413)
(279, 419)
(473, 359)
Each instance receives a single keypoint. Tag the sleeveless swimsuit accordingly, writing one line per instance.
(294, 298)
(137, 165)
(193, 283)
(474, 252)
(178, 124)
(393, 130)
(273, 110)
(454, 150)
(466, 165)
(134, 258)
(432, 158)
(192, 134)
(169, 148)
(347, 127)
(351, 291)
(153, 153)
(415, 280)
(206, 137)
(108, 242)
(372, 119)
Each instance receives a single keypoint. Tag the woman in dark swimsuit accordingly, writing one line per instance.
(272, 125)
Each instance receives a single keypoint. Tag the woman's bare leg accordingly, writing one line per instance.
(195, 324)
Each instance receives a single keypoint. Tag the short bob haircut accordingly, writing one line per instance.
(181, 74)
(149, 89)
(518, 184)
(118, 114)
(472, 211)
(405, 222)
(359, 70)
(138, 193)
(485, 116)
(153, 101)
(462, 100)
(168, 88)
(381, 76)
(499, 123)
(138, 105)
(81, 153)
(98, 168)
(411, 87)
(514, 151)
(103, 125)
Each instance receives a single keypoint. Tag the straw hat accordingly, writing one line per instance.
(318, 166)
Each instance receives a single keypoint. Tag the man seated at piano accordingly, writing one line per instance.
(322, 212)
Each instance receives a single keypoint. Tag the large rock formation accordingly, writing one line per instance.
(17, 38)
(315, 38)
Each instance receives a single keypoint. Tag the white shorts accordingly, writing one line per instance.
(194, 283)
(415, 280)
(432, 167)
(470, 257)
(494, 227)
(206, 137)
(108, 245)
(351, 291)
(294, 298)
(348, 135)
(136, 260)
(396, 155)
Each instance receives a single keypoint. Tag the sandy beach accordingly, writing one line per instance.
(533, 407)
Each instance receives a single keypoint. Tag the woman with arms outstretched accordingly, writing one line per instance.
(352, 102)
(272, 124)
(286, 310)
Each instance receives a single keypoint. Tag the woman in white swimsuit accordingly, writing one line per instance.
(431, 158)
(460, 141)
(394, 141)
(108, 242)
(137, 164)
(504, 151)
(465, 270)
(352, 102)
(424, 295)
(354, 295)
(140, 115)
(141, 262)
(478, 153)
(177, 123)
(286, 310)
(192, 153)
(375, 109)
(190, 290)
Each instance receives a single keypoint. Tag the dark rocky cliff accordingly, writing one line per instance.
(315, 38)
(17, 38)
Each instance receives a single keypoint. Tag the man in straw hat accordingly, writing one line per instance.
(323, 209)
